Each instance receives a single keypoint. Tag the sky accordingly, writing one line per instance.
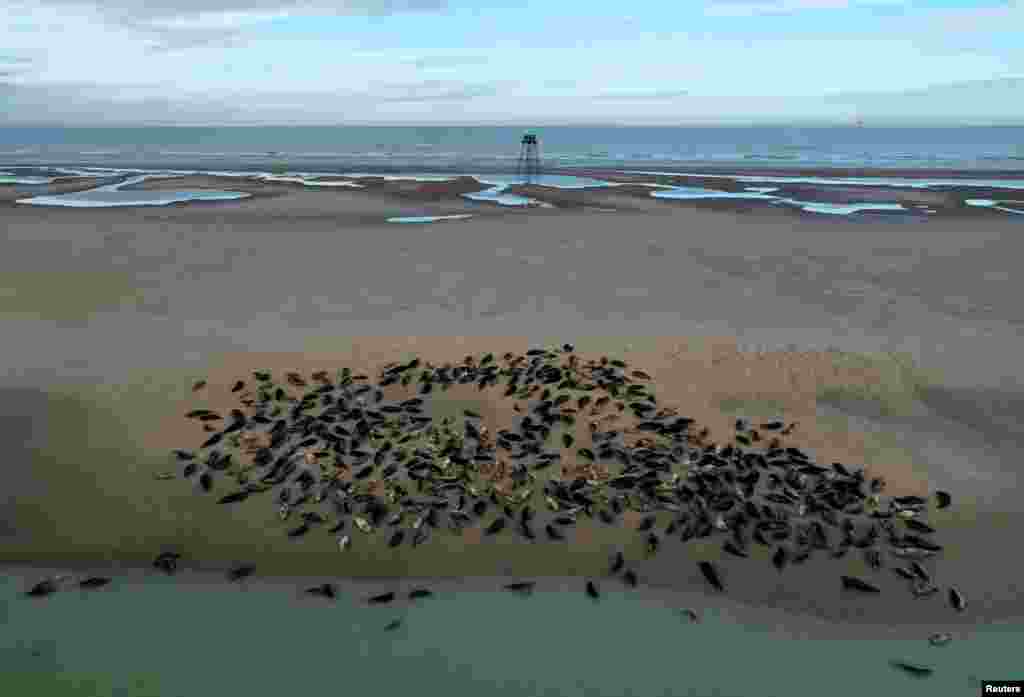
(249, 62)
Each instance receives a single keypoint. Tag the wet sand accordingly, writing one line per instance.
(377, 187)
(631, 194)
(62, 185)
(943, 201)
(732, 313)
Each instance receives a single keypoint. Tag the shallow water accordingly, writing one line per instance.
(429, 218)
(206, 638)
(11, 178)
(496, 194)
(688, 192)
(397, 177)
(351, 185)
(305, 180)
(104, 199)
(989, 203)
(560, 181)
(841, 208)
(111, 194)
(760, 193)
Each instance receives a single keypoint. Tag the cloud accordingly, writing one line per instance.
(85, 54)
(997, 87)
(745, 8)
(155, 103)
(177, 40)
(86, 103)
(172, 25)
(1008, 17)
(459, 94)
(234, 13)
(749, 8)
(436, 91)
(997, 100)
(448, 61)
(641, 94)
(11, 66)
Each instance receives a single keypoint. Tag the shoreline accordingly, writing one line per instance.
(470, 635)
(631, 193)
(361, 587)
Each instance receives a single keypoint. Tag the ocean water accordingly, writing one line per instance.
(496, 149)
(428, 218)
(260, 639)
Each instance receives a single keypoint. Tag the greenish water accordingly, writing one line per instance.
(162, 636)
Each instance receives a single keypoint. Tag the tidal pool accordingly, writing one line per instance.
(693, 192)
(989, 203)
(429, 218)
(841, 208)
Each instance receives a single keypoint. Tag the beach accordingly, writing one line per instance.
(894, 344)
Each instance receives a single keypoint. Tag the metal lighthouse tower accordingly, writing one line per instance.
(528, 168)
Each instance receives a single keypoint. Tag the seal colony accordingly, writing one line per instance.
(344, 450)
(355, 457)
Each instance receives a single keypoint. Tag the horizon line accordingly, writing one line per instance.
(820, 123)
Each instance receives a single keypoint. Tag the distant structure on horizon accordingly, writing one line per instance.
(529, 158)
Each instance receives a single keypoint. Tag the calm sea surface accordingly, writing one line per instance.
(496, 149)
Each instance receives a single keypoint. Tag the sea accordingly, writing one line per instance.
(496, 149)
